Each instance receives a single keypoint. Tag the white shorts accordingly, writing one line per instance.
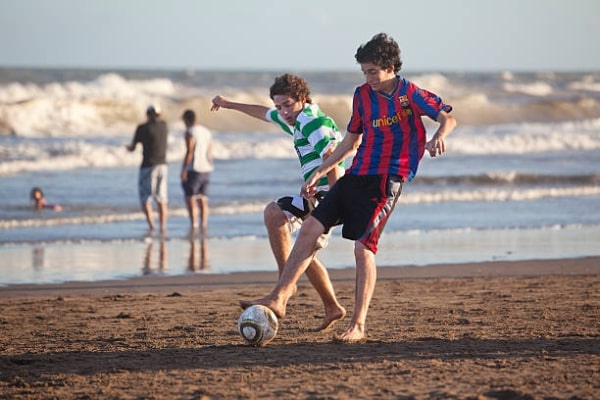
(152, 183)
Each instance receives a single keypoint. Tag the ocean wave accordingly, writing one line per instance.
(43, 117)
(28, 155)
(494, 194)
(532, 89)
(527, 138)
(587, 83)
(508, 177)
(498, 194)
(113, 216)
(31, 154)
(112, 105)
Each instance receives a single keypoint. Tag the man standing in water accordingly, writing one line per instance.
(196, 169)
(389, 138)
(315, 136)
(152, 179)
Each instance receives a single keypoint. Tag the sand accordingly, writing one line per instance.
(498, 330)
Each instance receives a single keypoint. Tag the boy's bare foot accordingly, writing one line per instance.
(354, 334)
(331, 318)
(278, 309)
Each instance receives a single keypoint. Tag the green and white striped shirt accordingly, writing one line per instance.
(314, 133)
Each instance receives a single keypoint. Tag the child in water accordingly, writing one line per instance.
(39, 201)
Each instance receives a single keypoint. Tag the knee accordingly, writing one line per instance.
(362, 252)
(312, 228)
(273, 216)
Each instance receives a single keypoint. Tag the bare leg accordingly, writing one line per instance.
(366, 276)
(298, 261)
(203, 206)
(162, 213)
(147, 209)
(280, 240)
(192, 211)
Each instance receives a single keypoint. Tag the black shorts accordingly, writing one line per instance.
(362, 204)
(297, 206)
(196, 184)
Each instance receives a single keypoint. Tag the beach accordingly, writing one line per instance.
(489, 270)
(489, 330)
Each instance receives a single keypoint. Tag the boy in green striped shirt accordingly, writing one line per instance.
(315, 136)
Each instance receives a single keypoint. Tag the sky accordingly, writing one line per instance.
(300, 35)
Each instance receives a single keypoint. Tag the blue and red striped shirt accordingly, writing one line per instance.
(394, 136)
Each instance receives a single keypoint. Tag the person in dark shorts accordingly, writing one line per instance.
(152, 179)
(315, 135)
(388, 137)
(196, 169)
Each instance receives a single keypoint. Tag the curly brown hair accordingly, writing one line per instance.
(292, 85)
(382, 50)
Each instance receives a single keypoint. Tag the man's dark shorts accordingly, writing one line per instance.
(196, 184)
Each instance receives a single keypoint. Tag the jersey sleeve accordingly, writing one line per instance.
(273, 116)
(356, 123)
(428, 103)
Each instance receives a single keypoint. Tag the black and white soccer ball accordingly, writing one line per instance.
(258, 325)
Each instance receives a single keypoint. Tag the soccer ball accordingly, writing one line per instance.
(258, 325)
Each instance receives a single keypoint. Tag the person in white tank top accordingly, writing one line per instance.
(196, 169)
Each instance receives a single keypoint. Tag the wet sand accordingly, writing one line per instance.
(495, 330)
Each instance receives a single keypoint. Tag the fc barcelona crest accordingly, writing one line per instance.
(404, 100)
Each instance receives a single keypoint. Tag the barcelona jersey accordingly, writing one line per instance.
(394, 136)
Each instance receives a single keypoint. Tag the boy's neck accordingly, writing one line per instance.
(390, 85)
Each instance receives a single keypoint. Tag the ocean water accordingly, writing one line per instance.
(520, 179)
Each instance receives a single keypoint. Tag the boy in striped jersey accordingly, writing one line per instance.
(315, 137)
(389, 138)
